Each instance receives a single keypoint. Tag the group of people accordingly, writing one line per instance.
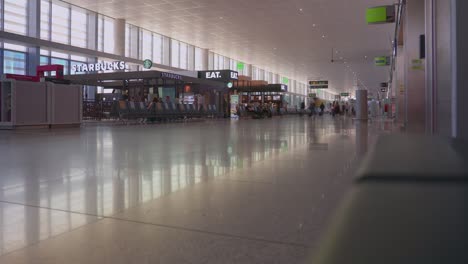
(334, 108)
(312, 110)
(338, 108)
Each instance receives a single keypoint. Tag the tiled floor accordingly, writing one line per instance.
(250, 191)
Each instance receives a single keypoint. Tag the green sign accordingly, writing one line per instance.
(285, 80)
(240, 66)
(147, 64)
(344, 94)
(313, 95)
(230, 84)
(376, 15)
(382, 61)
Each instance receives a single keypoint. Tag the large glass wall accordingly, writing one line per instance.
(14, 59)
(199, 59)
(106, 31)
(71, 25)
(79, 27)
(15, 16)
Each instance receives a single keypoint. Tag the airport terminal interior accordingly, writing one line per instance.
(233, 131)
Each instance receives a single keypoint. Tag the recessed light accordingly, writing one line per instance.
(221, 17)
(301, 10)
(323, 36)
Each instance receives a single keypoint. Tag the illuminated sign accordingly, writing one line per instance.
(169, 75)
(380, 15)
(382, 61)
(318, 84)
(100, 66)
(147, 64)
(344, 94)
(224, 75)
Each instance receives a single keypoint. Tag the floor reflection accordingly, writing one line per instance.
(105, 170)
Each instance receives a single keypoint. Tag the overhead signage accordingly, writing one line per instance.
(169, 75)
(285, 80)
(284, 87)
(382, 61)
(318, 84)
(100, 66)
(344, 94)
(313, 95)
(223, 75)
(384, 85)
(383, 90)
(230, 85)
(380, 15)
(240, 66)
(147, 64)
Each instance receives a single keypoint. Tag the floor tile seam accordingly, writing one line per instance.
(51, 209)
(205, 232)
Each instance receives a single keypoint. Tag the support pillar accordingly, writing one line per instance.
(361, 105)
(119, 25)
(415, 84)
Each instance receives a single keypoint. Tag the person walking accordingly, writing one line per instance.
(322, 108)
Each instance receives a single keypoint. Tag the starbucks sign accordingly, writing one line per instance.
(147, 64)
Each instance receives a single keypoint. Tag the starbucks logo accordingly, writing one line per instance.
(147, 64)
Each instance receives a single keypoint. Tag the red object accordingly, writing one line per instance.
(40, 70)
(57, 68)
(19, 77)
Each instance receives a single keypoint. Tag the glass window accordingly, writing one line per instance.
(44, 60)
(127, 40)
(14, 62)
(220, 62)
(14, 47)
(106, 31)
(211, 61)
(60, 23)
(183, 55)
(16, 16)
(146, 39)
(79, 26)
(59, 55)
(60, 62)
(45, 22)
(215, 62)
(175, 53)
(199, 59)
(109, 35)
(157, 48)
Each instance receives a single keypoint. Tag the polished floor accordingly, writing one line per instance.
(249, 191)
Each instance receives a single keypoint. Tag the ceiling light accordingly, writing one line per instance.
(301, 10)
(323, 36)
(221, 17)
(314, 25)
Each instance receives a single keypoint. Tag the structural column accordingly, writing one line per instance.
(361, 105)
(415, 85)
(34, 30)
(119, 46)
(460, 74)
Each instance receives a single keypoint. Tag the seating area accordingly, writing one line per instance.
(272, 111)
(160, 112)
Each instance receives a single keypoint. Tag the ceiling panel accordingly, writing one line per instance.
(293, 37)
